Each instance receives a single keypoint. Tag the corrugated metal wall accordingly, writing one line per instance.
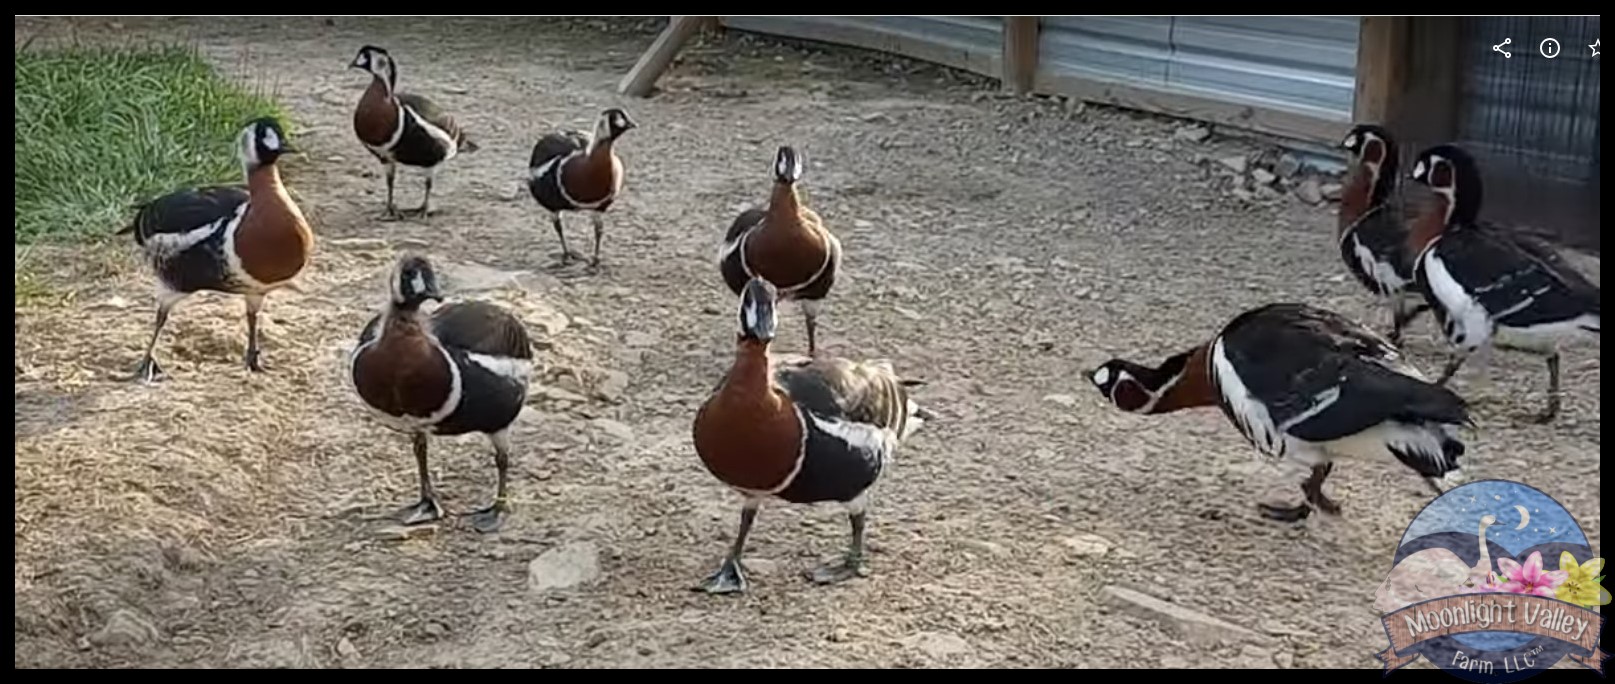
(1305, 65)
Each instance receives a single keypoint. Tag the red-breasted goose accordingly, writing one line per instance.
(247, 240)
(806, 431)
(403, 128)
(786, 244)
(576, 171)
(465, 367)
(1304, 385)
(1489, 285)
(1373, 225)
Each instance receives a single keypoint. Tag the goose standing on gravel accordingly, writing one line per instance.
(1373, 230)
(806, 431)
(225, 238)
(463, 368)
(403, 128)
(1489, 285)
(1304, 385)
(785, 244)
(576, 171)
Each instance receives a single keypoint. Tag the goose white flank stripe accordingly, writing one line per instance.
(1253, 418)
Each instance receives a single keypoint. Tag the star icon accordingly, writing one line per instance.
(1594, 46)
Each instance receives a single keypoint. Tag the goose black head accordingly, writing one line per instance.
(414, 281)
(376, 61)
(787, 165)
(757, 318)
(1449, 171)
(613, 123)
(1139, 389)
(262, 142)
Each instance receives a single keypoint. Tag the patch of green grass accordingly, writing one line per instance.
(101, 128)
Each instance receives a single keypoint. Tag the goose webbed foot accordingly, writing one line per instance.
(835, 573)
(852, 563)
(254, 361)
(425, 510)
(729, 579)
(731, 576)
(490, 519)
(149, 372)
(421, 212)
(1287, 514)
(1313, 489)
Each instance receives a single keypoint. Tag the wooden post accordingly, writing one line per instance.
(639, 80)
(1020, 53)
(1382, 69)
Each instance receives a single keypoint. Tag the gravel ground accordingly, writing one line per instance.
(996, 248)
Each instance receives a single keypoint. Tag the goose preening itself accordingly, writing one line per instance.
(465, 367)
(577, 171)
(247, 240)
(403, 128)
(1373, 230)
(785, 244)
(1307, 385)
(1490, 286)
(806, 431)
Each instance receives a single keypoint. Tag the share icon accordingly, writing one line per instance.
(1499, 47)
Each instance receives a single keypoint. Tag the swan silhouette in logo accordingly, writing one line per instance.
(1436, 572)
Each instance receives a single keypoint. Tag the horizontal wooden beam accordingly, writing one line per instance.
(642, 78)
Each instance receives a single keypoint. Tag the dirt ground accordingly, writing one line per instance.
(996, 248)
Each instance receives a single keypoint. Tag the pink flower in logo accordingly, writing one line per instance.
(1530, 578)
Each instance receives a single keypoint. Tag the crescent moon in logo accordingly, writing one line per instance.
(1525, 517)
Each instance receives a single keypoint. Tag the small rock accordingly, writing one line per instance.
(1191, 625)
(435, 629)
(1288, 166)
(640, 338)
(1088, 545)
(1235, 163)
(406, 532)
(472, 276)
(938, 645)
(1065, 400)
(1242, 193)
(1135, 143)
(1309, 192)
(908, 313)
(1277, 628)
(1192, 133)
(1263, 176)
(359, 243)
(862, 223)
(510, 192)
(840, 635)
(124, 627)
(1284, 658)
(1331, 191)
(346, 649)
(612, 385)
(616, 429)
(983, 546)
(567, 566)
(557, 394)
